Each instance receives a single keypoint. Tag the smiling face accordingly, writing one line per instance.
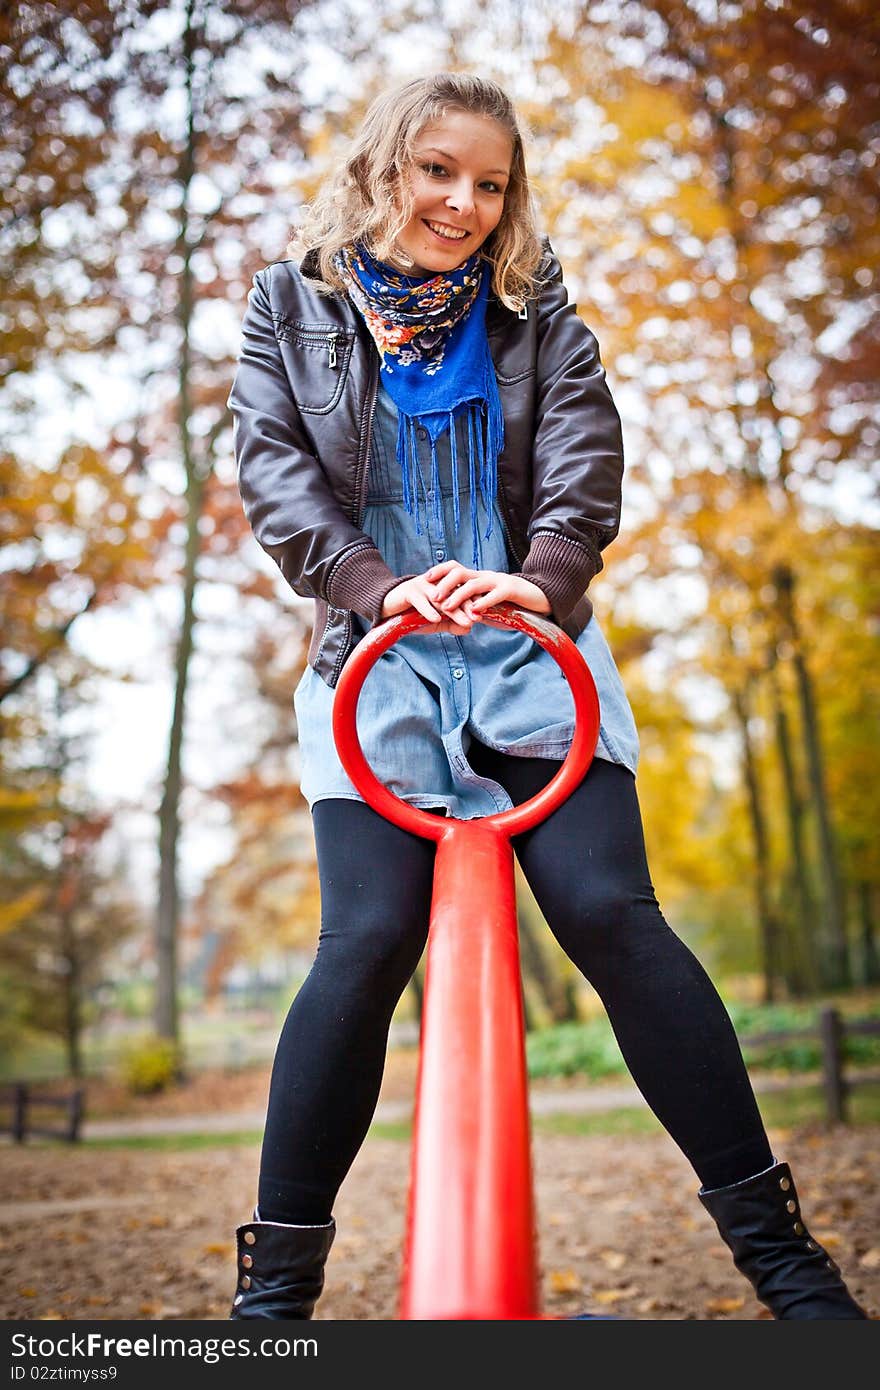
(461, 169)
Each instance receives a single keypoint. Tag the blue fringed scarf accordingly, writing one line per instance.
(436, 367)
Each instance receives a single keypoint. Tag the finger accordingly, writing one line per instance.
(479, 584)
(423, 605)
(438, 571)
(460, 619)
(495, 595)
(452, 581)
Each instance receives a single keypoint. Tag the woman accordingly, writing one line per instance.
(422, 421)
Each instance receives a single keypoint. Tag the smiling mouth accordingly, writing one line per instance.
(446, 233)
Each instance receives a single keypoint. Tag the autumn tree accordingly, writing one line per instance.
(69, 906)
(717, 196)
(164, 122)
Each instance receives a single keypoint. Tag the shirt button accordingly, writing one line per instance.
(439, 554)
(457, 673)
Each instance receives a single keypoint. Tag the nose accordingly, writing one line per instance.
(460, 197)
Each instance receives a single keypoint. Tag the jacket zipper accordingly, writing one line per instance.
(360, 495)
(315, 335)
(366, 437)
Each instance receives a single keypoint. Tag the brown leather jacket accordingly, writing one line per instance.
(302, 403)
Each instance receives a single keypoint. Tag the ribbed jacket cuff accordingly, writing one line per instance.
(561, 568)
(360, 582)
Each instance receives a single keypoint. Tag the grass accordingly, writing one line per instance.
(800, 1106)
(589, 1048)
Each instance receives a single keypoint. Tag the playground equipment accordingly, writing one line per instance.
(470, 1248)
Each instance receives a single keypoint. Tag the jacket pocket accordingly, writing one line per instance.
(316, 358)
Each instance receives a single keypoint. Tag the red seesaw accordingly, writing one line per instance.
(470, 1249)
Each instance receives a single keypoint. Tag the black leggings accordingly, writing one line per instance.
(586, 866)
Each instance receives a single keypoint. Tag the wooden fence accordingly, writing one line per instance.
(23, 1100)
(831, 1029)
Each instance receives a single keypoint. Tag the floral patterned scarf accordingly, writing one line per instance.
(436, 367)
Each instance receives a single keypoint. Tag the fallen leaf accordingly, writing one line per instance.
(613, 1295)
(724, 1305)
(565, 1281)
(219, 1247)
(829, 1238)
(27, 1292)
(612, 1258)
(346, 1245)
(871, 1258)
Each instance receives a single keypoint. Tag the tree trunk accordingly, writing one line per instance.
(168, 909)
(418, 988)
(867, 934)
(555, 990)
(803, 973)
(768, 926)
(72, 1002)
(834, 943)
(167, 1011)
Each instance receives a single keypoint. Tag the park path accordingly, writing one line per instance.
(581, 1100)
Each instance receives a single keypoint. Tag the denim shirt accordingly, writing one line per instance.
(429, 695)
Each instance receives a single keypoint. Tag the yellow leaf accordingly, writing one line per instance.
(724, 1305)
(871, 1258)
(27, 1292)
(564, 1281)
(612, 1295)
(829, 1238)
(612, 1258)
(650, 1305)
(218, 1247)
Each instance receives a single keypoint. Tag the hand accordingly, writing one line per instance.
(474, 591)
(420, 593)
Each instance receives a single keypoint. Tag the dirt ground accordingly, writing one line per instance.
(89, 1233)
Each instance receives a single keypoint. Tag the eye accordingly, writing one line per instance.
(434, 171)
(491, 187)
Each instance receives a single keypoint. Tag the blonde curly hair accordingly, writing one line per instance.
(368, 199)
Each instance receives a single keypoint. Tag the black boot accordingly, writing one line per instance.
(280, 1269)
(760, 1219)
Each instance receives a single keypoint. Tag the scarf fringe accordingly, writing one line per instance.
(485, 439)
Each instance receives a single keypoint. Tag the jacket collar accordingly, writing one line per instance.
(309, 265)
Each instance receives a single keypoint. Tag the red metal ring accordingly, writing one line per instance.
(520, 818)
